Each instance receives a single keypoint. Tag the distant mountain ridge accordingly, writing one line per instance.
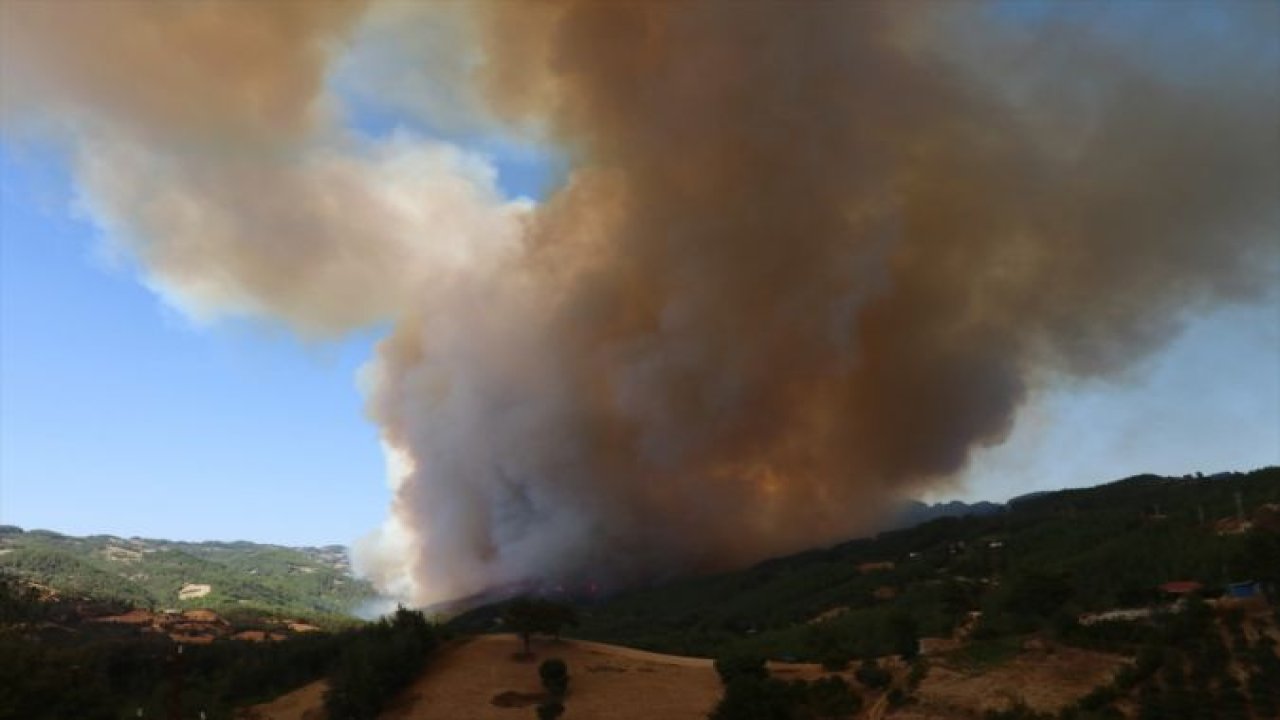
(915, 512)
(157, 574)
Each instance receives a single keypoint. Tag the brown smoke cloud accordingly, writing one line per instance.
(809, 258)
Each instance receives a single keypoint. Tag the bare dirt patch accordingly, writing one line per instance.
(191, 591)
(305, 703)
(133, 617)
(115, 553)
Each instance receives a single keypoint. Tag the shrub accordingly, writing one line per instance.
(749, 697)
(835, 661)
(380, 659)
(555, 677)
(871, 675)
(731, 667)
(832, 697)
(919, 669)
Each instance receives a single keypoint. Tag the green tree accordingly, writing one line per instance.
(748, 697)
(832, 697)
(523, 618)
(1037, 594)
(376, 663)
(527, 616)
(905, 633)
(736, 665)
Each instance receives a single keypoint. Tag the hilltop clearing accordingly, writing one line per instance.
(474, 680)
(481, 678)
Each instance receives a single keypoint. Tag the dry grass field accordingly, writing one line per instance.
(305, 703)
(481, 679)
(605, 682)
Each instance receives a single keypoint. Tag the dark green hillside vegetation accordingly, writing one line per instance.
(1034, 566)
(311, 582)
(378, 662)
(998, 581)
(53, 668)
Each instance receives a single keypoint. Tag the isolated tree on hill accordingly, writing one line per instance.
(526, 616)
(521, 617)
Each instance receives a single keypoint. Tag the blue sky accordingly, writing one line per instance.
(116, 412)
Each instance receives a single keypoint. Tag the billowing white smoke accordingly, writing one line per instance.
(204, 140)
(808, 257)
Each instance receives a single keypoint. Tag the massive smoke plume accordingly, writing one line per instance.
(808, 258)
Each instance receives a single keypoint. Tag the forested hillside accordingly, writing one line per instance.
(56, 666)
(1051, 555)
(158, 574)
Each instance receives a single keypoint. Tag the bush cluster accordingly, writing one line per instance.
(751, 694)
(378, 662)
